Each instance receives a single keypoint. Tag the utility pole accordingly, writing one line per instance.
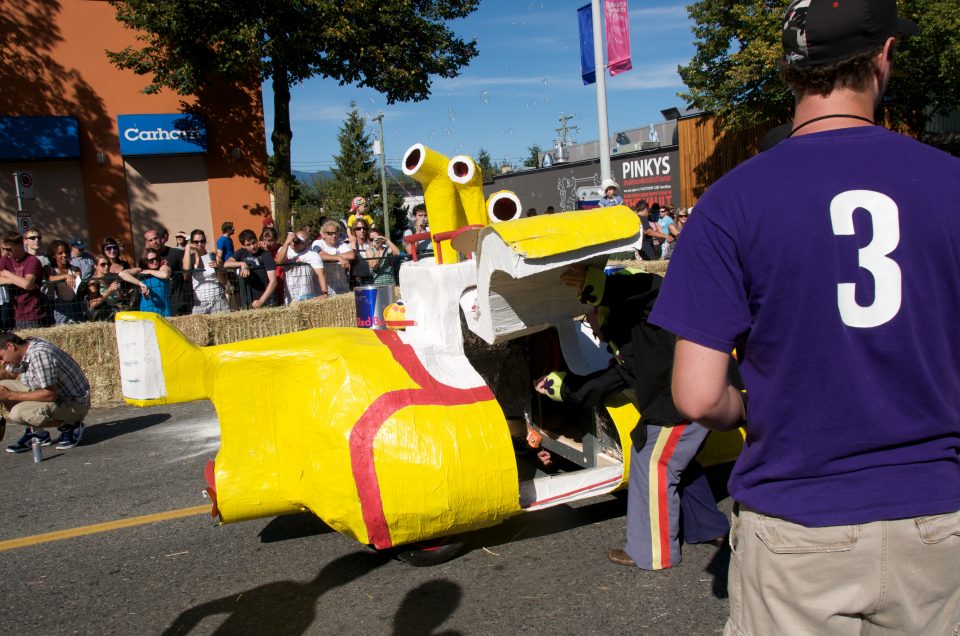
(564, 129)
(384, 202)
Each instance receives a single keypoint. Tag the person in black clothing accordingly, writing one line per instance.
(257, 268)
(664, 444)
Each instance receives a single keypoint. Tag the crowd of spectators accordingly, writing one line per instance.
(67, 283)
(660, 228)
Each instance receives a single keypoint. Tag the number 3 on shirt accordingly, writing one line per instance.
(873, 257)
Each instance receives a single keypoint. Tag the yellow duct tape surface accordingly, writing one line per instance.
(443, 205)
(551, 234)
(349, 424)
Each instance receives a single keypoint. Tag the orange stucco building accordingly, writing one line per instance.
(76, 123)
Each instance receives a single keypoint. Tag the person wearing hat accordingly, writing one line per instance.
(182, 239)
(610, 197)
(82, 259)
(807, 260)
(358, 208)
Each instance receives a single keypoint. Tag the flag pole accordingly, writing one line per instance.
(601, 73)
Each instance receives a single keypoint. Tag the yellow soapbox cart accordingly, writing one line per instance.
(396, 438)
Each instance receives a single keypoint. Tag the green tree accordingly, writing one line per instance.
(394, 48)
(533, 156)
(355, 170)
(485, 164)
(735, 70)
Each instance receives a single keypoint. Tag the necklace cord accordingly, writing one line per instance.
(822, 117)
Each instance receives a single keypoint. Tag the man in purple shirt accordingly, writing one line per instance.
(805, 258)
(21, 274)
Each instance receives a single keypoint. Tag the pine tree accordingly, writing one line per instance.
(485, 164)
(355, 172)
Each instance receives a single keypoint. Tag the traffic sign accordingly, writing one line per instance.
(26, 188)
(24, 221)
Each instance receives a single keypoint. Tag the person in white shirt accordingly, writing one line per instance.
(305, 278)
(209, 294)
(332, 250)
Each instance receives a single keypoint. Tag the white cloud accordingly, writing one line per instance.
(467, 85)
(657, 76)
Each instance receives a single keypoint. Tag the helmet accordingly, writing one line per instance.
(608, 183)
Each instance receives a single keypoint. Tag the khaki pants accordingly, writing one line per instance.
(42, 414)
(886, 577)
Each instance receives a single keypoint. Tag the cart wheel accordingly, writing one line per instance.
(433, 552)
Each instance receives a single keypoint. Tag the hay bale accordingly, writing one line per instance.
(195, 328)
(653, 267)
(337, 311)
(251, 323)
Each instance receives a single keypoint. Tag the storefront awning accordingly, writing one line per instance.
(39, 137)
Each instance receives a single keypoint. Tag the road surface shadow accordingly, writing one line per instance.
(281, 608)
(295, 526)
(426, 607)
(549, 521)
(102, 431)
(718, 567)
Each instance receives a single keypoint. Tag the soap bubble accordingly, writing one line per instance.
(543, 80)
(451, 114)
(372, 100)
(501, 132)
(509, 131)
(448, 131)
(534, 103)
(485, 96)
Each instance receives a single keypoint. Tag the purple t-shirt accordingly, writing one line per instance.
(27, 305)
(833, 260)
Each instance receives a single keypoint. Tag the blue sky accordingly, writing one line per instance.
(512, 94)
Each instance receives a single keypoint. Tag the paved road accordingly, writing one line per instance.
(538, 573)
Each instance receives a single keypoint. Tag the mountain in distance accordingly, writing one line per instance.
(307, 177)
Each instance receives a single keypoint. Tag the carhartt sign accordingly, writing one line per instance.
(167, 134)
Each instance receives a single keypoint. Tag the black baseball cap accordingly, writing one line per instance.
(818, 32)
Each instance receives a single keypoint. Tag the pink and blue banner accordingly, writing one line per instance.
(616, 16)
(587, 65)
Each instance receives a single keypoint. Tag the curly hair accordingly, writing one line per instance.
(854, 73)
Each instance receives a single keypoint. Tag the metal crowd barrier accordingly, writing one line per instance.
(88, 304)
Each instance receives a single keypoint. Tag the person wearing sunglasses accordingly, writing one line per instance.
(359, 240)
(33, 243)
(338, 255)
(111, 251)
(209, 293)
(305, 278)
(101, 292)
(153, 279)
(22, 274)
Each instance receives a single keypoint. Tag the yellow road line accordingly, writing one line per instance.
(13, 544)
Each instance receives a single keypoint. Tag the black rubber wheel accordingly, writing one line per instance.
(433, 552)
